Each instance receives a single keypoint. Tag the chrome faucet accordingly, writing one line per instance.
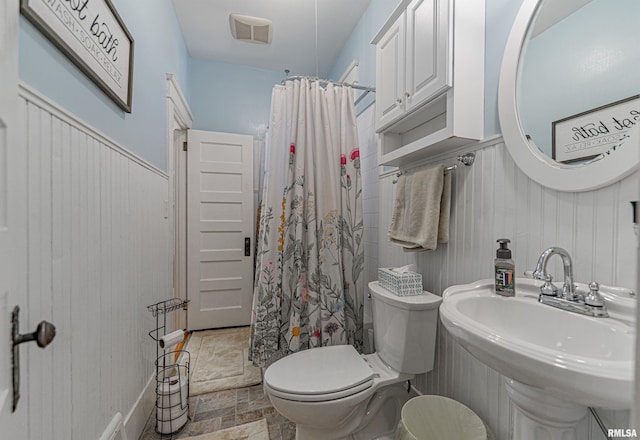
(540, 273)
(591, 305)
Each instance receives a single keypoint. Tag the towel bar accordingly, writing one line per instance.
(466, 159)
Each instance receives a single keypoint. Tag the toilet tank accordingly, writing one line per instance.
(404, 329)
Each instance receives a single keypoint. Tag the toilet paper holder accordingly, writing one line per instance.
(43, 336)
(172, 369)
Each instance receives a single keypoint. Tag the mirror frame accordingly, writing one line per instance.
(530, 159)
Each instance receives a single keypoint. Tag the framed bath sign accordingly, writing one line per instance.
(92, 35)
(600, 131)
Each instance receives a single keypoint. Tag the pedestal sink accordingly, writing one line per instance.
(557, 363)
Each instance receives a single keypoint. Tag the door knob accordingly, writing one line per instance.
(43, 335)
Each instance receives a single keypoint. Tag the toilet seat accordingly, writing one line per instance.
(319, 374)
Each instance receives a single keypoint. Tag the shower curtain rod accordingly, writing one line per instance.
(366, 89)
(326, 81)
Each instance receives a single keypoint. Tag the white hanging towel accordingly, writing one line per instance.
(421, 211)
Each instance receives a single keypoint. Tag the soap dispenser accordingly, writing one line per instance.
(505, 269)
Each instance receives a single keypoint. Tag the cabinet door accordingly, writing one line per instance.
(390, 74)
(428, 71)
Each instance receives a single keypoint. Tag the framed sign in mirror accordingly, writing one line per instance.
(527, 113)
(598, 132)
(93, 36)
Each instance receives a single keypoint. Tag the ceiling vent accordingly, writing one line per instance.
(253, 29)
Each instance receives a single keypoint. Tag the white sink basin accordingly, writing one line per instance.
(584, 360)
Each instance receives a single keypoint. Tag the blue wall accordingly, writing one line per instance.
(359, 46)
(499, 18)
(230, 97)
(236, 98)
(159, 49)
(222, 97)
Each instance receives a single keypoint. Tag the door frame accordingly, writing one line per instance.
(14, 287)
(179, 119)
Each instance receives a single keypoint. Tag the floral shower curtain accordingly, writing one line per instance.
(308, 289)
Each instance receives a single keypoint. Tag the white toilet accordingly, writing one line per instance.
(336, 393)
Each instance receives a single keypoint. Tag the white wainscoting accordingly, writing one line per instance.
(98, 254)
(493, 199)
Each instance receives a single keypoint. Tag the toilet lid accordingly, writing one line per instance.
(320, 371)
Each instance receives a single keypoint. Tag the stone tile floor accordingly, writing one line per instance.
(224, 409)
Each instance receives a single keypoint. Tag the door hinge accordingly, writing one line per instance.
(184, 146)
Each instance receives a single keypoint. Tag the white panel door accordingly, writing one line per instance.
(427, 45)
(12, 221)
(219, 220)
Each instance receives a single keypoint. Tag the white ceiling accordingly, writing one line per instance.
(205, 26)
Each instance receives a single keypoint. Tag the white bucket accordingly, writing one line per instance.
(434, 417)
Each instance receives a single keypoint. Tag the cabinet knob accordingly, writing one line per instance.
(399, 100)
(407, 94)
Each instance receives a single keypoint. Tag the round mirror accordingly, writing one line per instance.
(569, 98)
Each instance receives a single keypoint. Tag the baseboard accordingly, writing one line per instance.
(114, 430)
(137, 418)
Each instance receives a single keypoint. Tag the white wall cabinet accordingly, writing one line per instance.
(412, 60)
(390, 74)
(429, 78)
